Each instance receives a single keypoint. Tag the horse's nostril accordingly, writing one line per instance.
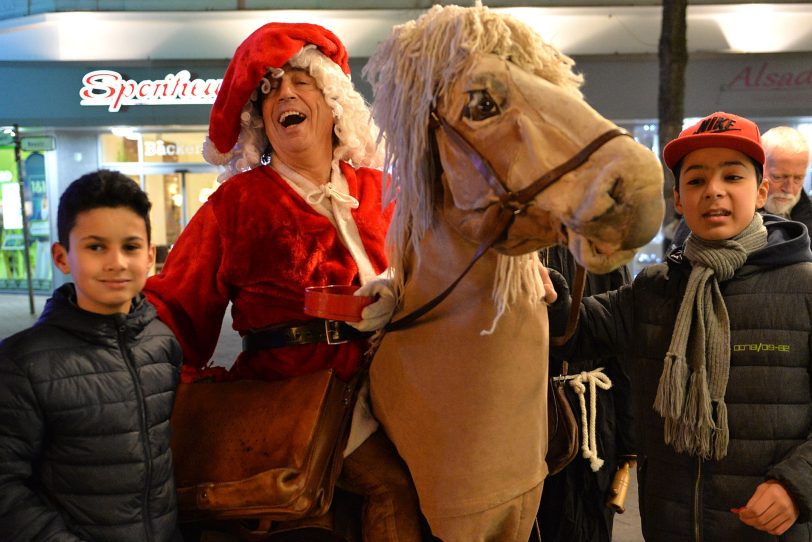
(616, 192)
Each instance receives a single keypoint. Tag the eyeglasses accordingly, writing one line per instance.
(793, 180)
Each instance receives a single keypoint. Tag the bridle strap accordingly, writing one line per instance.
(526, 194)
(480, 164)
(407, 320)
(575, 309)
(519, 200)
(512, 204)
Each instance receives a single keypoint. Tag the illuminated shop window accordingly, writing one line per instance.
(128, 146)
(13, 272)
(169, 166)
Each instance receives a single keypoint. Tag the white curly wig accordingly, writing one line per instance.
(355, 131)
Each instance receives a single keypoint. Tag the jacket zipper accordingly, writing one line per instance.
(142, 415)
(697, 498)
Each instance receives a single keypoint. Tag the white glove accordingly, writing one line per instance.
(378, 313)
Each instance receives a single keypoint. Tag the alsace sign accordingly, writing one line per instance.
(765, 77)
(110, 89)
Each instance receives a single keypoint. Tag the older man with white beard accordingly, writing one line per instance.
(785, 166)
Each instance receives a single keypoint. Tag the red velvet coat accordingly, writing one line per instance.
(258, 244)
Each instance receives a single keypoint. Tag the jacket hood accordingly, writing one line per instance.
(787, 243)
(62, 311)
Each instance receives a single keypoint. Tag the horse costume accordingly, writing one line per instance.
(493, 154)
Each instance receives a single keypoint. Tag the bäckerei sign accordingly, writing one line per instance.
(109, 88)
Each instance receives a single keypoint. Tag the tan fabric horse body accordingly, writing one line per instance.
(466, 409)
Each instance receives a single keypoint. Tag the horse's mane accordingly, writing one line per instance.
(413, 69)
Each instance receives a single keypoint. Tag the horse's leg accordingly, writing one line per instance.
(512, 521)
(376, 471)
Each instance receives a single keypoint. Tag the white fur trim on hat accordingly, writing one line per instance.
(213, 156)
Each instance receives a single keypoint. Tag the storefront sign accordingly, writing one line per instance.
(160, 148)
(772, 87)
(37, 143)
(762, 76)
(109, 88)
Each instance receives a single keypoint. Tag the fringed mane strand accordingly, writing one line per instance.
(412, 71)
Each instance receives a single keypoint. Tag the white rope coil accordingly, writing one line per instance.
(579, 382)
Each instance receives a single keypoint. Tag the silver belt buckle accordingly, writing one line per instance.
(332, 332)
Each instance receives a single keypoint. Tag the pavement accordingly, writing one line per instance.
(15, 312)
(16, 315)
(627, 524)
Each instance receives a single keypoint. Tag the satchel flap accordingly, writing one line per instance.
(278, 488)
(236, 430)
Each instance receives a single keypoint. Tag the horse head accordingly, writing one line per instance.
(498, 113)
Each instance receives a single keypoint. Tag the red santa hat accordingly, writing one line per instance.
(270, 46)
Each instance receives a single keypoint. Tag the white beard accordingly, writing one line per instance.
(778, 204)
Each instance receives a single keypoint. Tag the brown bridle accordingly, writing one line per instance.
(510, 204)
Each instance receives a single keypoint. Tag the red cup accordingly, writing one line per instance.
(335, 302)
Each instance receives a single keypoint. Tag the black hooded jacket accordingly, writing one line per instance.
(85, 401)
(573, 501)
(802, 211)
(768, 396)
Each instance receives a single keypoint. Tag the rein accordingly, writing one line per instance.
(511, 204)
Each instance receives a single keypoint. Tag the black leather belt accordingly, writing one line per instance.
(314, 331)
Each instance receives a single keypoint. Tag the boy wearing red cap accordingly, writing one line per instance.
(718, 344)
(301, 207)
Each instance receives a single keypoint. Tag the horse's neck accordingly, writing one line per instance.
(439, 260)
(459, 320)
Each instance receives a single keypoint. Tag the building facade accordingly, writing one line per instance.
(143, 110)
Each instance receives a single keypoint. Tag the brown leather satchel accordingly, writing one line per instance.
(260, 450)
(562, 428)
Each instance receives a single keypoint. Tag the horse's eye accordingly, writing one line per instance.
(480, 106)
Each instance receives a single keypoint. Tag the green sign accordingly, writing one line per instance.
(6, 139)
(37, 143)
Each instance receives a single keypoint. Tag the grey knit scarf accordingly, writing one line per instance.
(697, 364)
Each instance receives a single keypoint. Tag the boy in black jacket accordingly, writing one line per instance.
(717, 341)
(86, 392)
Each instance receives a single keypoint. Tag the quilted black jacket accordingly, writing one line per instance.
(768, 396)
(85, 401)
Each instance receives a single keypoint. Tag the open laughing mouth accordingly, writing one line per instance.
(291, 118)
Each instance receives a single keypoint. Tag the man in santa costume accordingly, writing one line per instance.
(300, 207)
